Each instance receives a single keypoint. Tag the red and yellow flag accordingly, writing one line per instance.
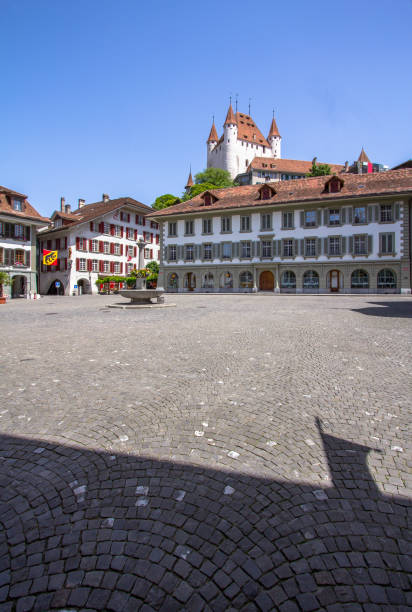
(50, 258)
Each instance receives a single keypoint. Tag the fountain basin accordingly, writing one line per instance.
(143, 296)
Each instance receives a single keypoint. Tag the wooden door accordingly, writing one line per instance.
(334, 280)
(266, 281)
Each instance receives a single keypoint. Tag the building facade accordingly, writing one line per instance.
(347, 234)
(96, 241)
(19, 222)
(263, 170)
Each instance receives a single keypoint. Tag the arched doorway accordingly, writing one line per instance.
(266, 281)
(19, 286)
(190, 281)
(334, 280)
(56, 288)
(83, 286)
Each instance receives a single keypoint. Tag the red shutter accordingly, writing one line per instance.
(151, 253)
(121, 268)
(77, 264)
(89, 265)
(57, 244)
(112, 267)
(77, 243)
(135, 234)
(65, 242)
(91, 226)
(112, 230)
(137, 220)
(121, 249)
(101, 247)
(121, 230)
(128, 217)
(134, 251)
(151, 237)
(65, 263)
(157, 239)
(111, 248)
(144, 221)
(101, 227)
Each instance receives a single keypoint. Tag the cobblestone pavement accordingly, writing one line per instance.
(233, 453)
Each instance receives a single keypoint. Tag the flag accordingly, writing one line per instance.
(370, 169)
(129, 258)
(50, 258)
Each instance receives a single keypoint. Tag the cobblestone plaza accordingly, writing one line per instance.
(237, 452)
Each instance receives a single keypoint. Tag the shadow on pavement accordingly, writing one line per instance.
(401, 309)
(88, 530)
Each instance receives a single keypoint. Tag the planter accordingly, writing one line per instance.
(2, 300)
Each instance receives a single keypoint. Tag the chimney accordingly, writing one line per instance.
(81, 202)
(105, 197)
(62, 201)
(67, 209)
(346, 166)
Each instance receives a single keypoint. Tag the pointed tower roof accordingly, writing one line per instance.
(189, 181)
(273, 129)
(213, 134)
(363, 157)
(230, 117)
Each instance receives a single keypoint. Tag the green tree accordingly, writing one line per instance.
(164, 201)
(153, 266)
(214, 176)
(319, 169)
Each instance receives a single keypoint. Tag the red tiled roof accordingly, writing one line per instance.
(189, 181)
(363, 157)
(97, 209)
(273, 129)
(230, 117)
(247, 130)
(28, 212)
(213, 134)
(294, 166)
(298, 191)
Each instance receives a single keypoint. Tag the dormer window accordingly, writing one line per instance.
(334, 185)
(17, 205)
(208, 198)
(266, 193)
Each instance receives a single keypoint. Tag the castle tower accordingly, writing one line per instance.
(274, 139)
(189, 182)
(230, 132)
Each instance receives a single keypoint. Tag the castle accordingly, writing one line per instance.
(240, 143)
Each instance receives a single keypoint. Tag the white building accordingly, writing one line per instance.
(18, 245)
(95, 241)
(346, 233)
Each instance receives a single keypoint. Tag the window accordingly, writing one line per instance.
(139, 220)
(17, 205)
(334, 245)
(207, 226)
(226, 250)
(310, 218)
(19, 231)
(173, 281)
(226, 281)
(360, 245)
(172, 252)
(386, 279)
(359, 279)
(288, 280)
(245, 249)
(94, 246)
(387, 243)
(189, 252)
(95, 265)
(117, 248)
(359, 214)
(189, 228)
(245, 223)
(116, 267)
(106, 228)
(207, 251)
(118, 231)
(386, 213)
(129, 233)
(106, 266)
(19, 257)
(246, 280)
(266, 221)
(310, 247)
(106, 247)
(266, 248)
(129, 267)
(287, 250)
(311, 280)
(334, 216)
(287, 220)
(82, 265)
(146, 253)
(130, 251)
(82, 244)
(226, 224)
(172, 228)
(207, 281)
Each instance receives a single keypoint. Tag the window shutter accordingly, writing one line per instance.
(157, 239)
(343, 215)
(77, 243)
(100, 266)
(325, 216)
(111, 229)
(151, 253)
(350, 214)
(295, 247)
(302, 218)
(134, 251)
(65, 263)
(144, 221)
(351, 245)
(91, 226)
(393, 242)
(101, 247)
(136, 220)
(121, 249)
(65, 242)
(57, 244)
(370, 214)
(319, 216)
(302, 246)
(325, 246)
(179, 253)
(121, 268)
(77, 264)
(258, 248)
(101, 227)
(376, 213)
(135, 234)
(111, 267)
(397, 212)
(370, 243)
(27, 258)
(49, 245)
(112, 248)
(318, 247)
(128, 217)
(121, 231)
(27, 232)
(343, 245)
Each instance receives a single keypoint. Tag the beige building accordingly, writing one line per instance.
(345, 233)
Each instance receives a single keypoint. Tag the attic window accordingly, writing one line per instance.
(208, 198)
(333, 185)
(17, 205)
(266, 193)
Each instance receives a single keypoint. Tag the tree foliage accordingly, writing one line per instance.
(164, 201)
(153, 266)
(319, 169)
(214, 176)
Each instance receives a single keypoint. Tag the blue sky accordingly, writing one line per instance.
(117, 96)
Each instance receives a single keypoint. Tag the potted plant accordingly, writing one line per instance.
(153, 269)
(4, 281)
